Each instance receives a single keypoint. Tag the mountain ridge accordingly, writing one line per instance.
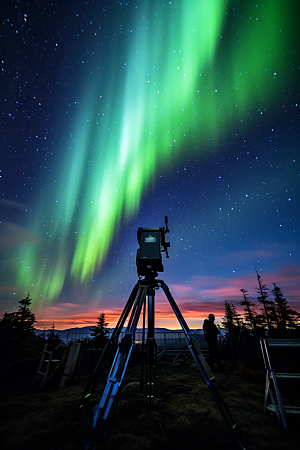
(63, 334)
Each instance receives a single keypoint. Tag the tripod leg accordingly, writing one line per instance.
(92, 385)
(117, 372)
(143, 349)
(203, 367)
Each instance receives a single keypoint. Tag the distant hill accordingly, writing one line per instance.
(64, 334)
(76, 333)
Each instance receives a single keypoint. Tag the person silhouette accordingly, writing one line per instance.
(211, 333)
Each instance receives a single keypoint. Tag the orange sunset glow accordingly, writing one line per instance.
(204, 295)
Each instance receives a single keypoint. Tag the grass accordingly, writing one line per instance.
(183, 415)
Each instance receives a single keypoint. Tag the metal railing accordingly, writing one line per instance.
(166, 340)
(170, 340)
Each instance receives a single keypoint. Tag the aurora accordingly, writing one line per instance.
(171, 79)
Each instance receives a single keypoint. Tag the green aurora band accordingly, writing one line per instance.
(184, 81)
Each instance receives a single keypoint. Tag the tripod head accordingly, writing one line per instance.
(152, 243)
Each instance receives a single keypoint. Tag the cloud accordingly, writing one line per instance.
(247, 255)
(64, 317)
(12, 236)
(70, 305)
(202, 296)
(12, 204)
(206, 293)
(191, 308)
(203, 287)
(5, 287)
(181, 289)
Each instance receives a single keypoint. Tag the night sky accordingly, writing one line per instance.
(115, 114)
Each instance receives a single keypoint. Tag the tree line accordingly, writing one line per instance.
(270, 317)
(19, 340)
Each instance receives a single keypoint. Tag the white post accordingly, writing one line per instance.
(70, 364)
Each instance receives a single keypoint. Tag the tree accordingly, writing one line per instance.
(100, 331)
(26, 317)
(232, 318)
(233, 325)
(53, 339)
(18, 333)
(267, 305)
(250, 315)
(286, 317)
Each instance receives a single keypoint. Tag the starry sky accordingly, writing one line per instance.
(117, 113)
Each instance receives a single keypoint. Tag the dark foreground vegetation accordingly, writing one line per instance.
(184, 415)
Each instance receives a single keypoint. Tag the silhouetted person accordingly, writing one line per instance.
(211, 336)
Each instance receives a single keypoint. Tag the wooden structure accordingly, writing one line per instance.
(48, 365)
(274, 378)
(70, 364)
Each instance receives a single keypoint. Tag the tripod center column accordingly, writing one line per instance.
(151, 348)
(151, 309)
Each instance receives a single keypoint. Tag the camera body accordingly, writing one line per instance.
(152, 243)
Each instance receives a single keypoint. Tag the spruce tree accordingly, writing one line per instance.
(267, 305)
(250, 315)
(26, 318)
(233, 321)
(53, 339)
(18, 333)
(233, 324)
(100, 331)
(286, 317)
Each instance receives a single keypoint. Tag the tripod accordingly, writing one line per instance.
(137, 299)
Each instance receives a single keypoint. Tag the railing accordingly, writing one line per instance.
(170, 340)
(166, 340)
(78, 336)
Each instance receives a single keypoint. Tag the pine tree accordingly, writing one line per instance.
(250, 315)
(18, 333)
(233, 321)
(286, 317)
(26, 318)
(267, 315)
(233, 324)
(53, 339)
(100, 331)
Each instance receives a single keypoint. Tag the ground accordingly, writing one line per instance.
(183, 415)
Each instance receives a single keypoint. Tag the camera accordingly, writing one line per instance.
(152, 243)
